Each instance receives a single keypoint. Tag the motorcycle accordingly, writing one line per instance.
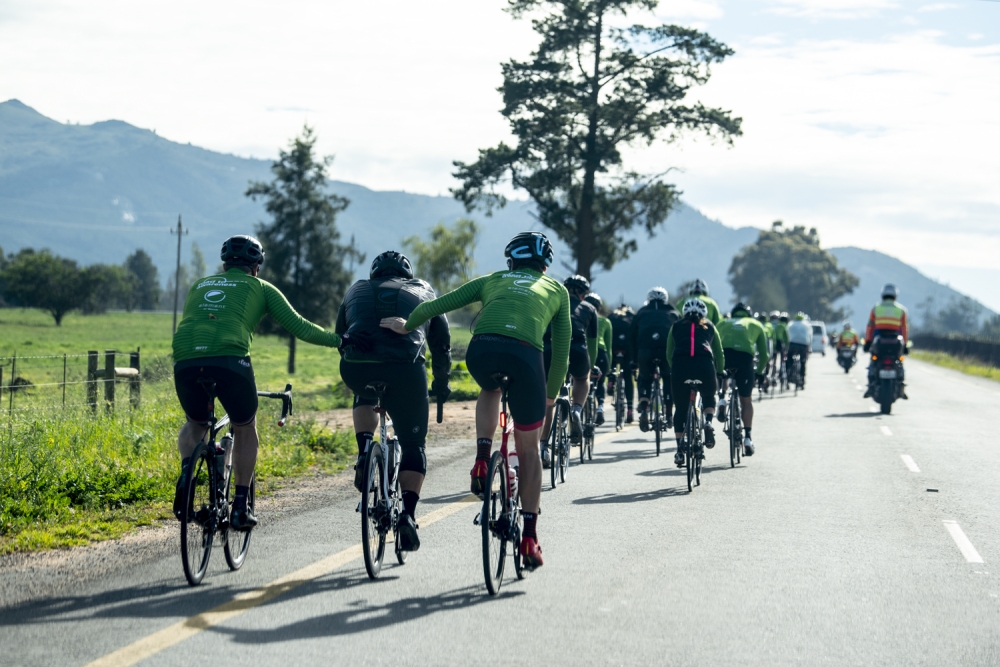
(847, 357)
(886, 372)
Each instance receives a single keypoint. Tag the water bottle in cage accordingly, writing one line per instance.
(395, 453)
(222, 465)
(512, 469)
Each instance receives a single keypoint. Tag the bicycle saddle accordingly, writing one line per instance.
(499, 378)
(208, 384)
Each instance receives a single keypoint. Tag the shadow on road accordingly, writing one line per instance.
(625, 498)
(615, 457)
(853, 414)
(444, 500)
(362, 617)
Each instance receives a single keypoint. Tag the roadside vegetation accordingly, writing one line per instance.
(964, 365)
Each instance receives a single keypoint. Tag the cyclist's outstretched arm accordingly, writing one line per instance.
(468, 293)
(282, 311)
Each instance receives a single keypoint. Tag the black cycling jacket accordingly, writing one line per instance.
(620, 325)
(650, 328)
(583, 322)
(368, 301)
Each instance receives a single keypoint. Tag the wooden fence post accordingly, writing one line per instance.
(109, 380)
(134, 383)
(92, 379)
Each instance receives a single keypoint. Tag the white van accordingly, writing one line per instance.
(819, 337)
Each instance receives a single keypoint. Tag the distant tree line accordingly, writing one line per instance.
(38, 279)
(961, 314)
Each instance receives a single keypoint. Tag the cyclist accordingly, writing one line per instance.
(582, 353)
(742, 337)
(887, 319)
(694, 352)
(399, 362)
(800, 337)
(769, 330)
(621, 320)
(213, 342)
(780, 326)
(518, 306)
(603, 352)
(699, 290)
(648, 346)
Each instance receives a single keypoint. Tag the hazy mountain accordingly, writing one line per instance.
(97, 192)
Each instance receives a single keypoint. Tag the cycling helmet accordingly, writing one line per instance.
(695, 307)
(242, 250)
(529, 246)
(761, 317)
(699, 288)
(740, 306)
(577, 285)
(775, 314)
(847, 325)
(889, 291)
(391, 263)
(784, 317)
(800, 315)
(594, 299)
(658, 294)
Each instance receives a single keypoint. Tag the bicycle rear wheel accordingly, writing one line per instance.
(494, 519)
(237, 542)
(564, 448)
(620, 402)
(373, 530)
(553, 447)
(198, 527)
(657, 410)
(690, 440)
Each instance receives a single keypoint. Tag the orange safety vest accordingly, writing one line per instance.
(847, 338)
(888, 316)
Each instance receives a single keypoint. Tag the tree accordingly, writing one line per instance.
(105, 286)
(146, 292)
(446, 260)
(991, 327)
(42, 280)
(960, 315)
(304, 259)
(590, 90)
(786, 269)
(190, 273)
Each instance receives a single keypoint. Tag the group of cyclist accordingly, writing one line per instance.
(532, 333)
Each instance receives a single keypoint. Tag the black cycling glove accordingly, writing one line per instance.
(441, 390)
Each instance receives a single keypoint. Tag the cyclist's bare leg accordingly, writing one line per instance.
(245, 442)
(410, 481)
(191, 434)
(581, 387)
(488, 413)
(746, 411)
(529, 472)
(550, 413)
(365, 419)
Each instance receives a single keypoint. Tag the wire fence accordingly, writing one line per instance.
(986, 350)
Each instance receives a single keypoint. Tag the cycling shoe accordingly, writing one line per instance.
(531, 553)
(479, 472)
(406, 533)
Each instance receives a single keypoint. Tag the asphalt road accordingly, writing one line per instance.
(826, 548)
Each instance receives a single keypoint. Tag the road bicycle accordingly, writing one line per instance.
(734, 423)
(590, 420)
(558, 444)
(795, 374)
(658, 419)
(617, 377)
(500, 518)
(381, 500)
(210, 491)
(694, 452)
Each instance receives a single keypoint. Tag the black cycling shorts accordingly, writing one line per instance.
(491, 354)
(691, 368)
(235, 386)
(405, 399)
(579, 360)
(741, 370)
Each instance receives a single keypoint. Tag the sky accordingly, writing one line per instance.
(876, 121)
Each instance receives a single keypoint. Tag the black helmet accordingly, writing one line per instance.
(594, 299)
(577, 285)
(391, 263)
(740, 306)
(529, 246)
(242, 250)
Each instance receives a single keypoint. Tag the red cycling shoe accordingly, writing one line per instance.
(531, 553)
(479, 472)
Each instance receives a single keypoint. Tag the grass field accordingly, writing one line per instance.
(965, 365)
(69, 476)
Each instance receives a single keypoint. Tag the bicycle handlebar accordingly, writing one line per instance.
(286, 401)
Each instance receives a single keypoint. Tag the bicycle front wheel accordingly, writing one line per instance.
(619, 403)
(494, 520)
(373, 510)
(657, 410)
(238, 543)
(198, 526)
(690, 437)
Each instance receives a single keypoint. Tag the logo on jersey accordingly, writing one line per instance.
(656, 336)
(524, 283)
(387, 296)
(214, 296)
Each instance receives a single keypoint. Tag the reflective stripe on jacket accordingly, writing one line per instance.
(888, 316)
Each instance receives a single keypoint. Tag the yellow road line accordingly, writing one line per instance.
(178, 632)
(174, 634)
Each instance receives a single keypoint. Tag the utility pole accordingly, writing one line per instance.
(177, 276)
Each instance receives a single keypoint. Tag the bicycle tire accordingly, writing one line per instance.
(731, 427)
(495, 509)
(553, 446)
(516, 542)
(564, 452)
(237, 542)
(372, 533)
(690, 443)
(620, 402)
(397, 512)
(198, 528)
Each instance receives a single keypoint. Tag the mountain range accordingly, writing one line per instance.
(97, 192)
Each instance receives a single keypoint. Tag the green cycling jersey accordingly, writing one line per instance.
(604, 334)
(714, 315)
(222, 311)
(745, 334)
(781, 334)
(517, 303)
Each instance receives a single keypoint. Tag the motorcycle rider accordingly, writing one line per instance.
(800, 336)
(648, 345)
(886, 320)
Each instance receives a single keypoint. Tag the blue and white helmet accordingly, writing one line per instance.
(658, 294)
(695, 307)
(529, 246)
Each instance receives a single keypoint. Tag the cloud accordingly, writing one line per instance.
(830, 9)
(938, 7)
(690, 9)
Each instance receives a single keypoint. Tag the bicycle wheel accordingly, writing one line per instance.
(515, 543)
(553, 446)
(690, 440)
(493, 520)
(198, 527)
(397, 512)
(732, 427)
(585, 423)
(657, 410)
(237, 542)
(592, 419)
(373, 509)
(619, 403)
(564, 445)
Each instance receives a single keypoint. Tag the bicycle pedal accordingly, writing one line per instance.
(475, 522)
(358, 508)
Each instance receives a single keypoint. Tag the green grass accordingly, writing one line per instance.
(962, 364)
(69, 476)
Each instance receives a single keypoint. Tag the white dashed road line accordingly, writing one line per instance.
(885, 430)
(910, 463)
(962, 542)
